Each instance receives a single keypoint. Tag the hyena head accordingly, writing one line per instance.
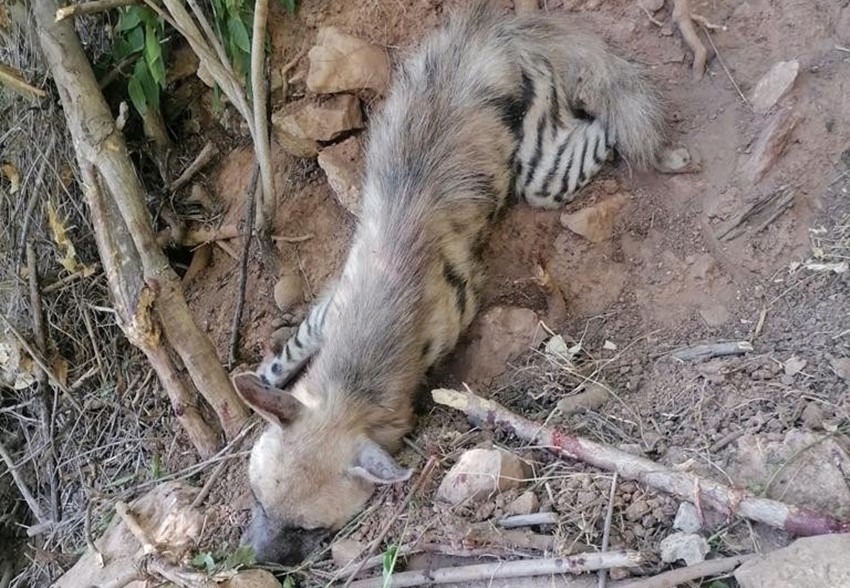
(309, 471)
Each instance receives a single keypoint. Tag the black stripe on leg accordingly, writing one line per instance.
(538, 153)
(458, 282)
(544, 189)
(581, 170)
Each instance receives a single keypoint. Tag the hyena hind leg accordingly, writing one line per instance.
(280, 368)
(570, 161)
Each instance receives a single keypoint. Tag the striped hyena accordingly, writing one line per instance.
(487, 107)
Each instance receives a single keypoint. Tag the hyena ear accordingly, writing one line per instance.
(276, 406)
(374, 464)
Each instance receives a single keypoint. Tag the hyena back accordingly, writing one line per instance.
(486, 107)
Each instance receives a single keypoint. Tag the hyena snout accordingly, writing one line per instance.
(272, 542)
(310, 471)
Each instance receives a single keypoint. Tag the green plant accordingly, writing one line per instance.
(240, 557)
(139, 37)
(388, 563)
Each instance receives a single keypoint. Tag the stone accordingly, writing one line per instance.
(340, 62)
(841, 367)
(774, 85)
(812, 416)
(687, 518)
(525, 504)
(807, 562)
(342, 164)
(596, 222)
(253, 578)
(769, 144)
(479, 473)
(637, 510)
(288, 291)
(299, 132)
(812, 471)
(794, 365)
(675, 160)
(652, 5)
(500, 335)
(346, 550)
(593, 398)
(689, 547)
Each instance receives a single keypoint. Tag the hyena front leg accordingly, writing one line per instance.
(281, 367)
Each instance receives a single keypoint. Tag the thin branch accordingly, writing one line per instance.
(91, 7)
(251, 198)
(205, 156)
(606, 530)
(681, 576)
(572, 564)
(14, 80)
(259, 90)
(23, 488)
(797, 521)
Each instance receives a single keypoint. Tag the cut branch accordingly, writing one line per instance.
(524, 568)
(14, 80)
(91, 7)
(681, 576)
(146, 289)
(797, 521)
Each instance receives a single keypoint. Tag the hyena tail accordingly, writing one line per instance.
(595, 80)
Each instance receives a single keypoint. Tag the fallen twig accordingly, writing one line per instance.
(684, 20)
(14, 80)
(572, 564)
(712, 350)
(91, 7)
(265, 209)
(22, 485)
(606, 530)
(71, 278)
(679, 576)
(423, 477)
(201, 160)
(706, 26)
(795, 520)
(537, 518)
(250, 205)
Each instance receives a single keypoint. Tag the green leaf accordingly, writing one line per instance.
(149, 86)
(241, 556)
(136, 40)
(137, 94)
(289, 5)
(204, 561)
(288, 582)
(239, 33)
(128, 19)
(388, 563)
(153, 56)
(149, 17)
(156, 467)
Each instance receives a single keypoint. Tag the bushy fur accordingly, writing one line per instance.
(440, 165)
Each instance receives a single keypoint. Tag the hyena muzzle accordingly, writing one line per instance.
(488, 107)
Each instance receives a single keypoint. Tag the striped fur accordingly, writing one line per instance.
(485, 108)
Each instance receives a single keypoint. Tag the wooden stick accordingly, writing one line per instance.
(14, 80)
(91, 7)
(524, 568)
(23, 487)
(710, 350)
(679, 576)
(797, 521)
(682, 17)
(265, 208)
(250, 205)
(606, 530)
(201, 160)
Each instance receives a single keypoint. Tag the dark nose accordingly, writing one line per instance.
(274, 542)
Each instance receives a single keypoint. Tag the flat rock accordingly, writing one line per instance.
(596, 222)
(288, 291)
(479, 473)
(688, 547)
(253, 578)
(299, 132)
(807, 562)
(340, 62)
(525, 504)
(346, 550)
(342, 165)
(687, 518)
(769, 144)
(592, 398)
(812, 471)
(841, 367)
(774, 85)
(501, 334)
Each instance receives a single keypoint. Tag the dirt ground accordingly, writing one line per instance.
(664, 280)
(676, 271)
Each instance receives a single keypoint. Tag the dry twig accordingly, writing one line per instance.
(91, 7)
(572, 564)
(684, 20)
(250, 204)
(681, 576)
(201, 160)
(795, 520)
(606, 530)
(14, 80)
(710, 350)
